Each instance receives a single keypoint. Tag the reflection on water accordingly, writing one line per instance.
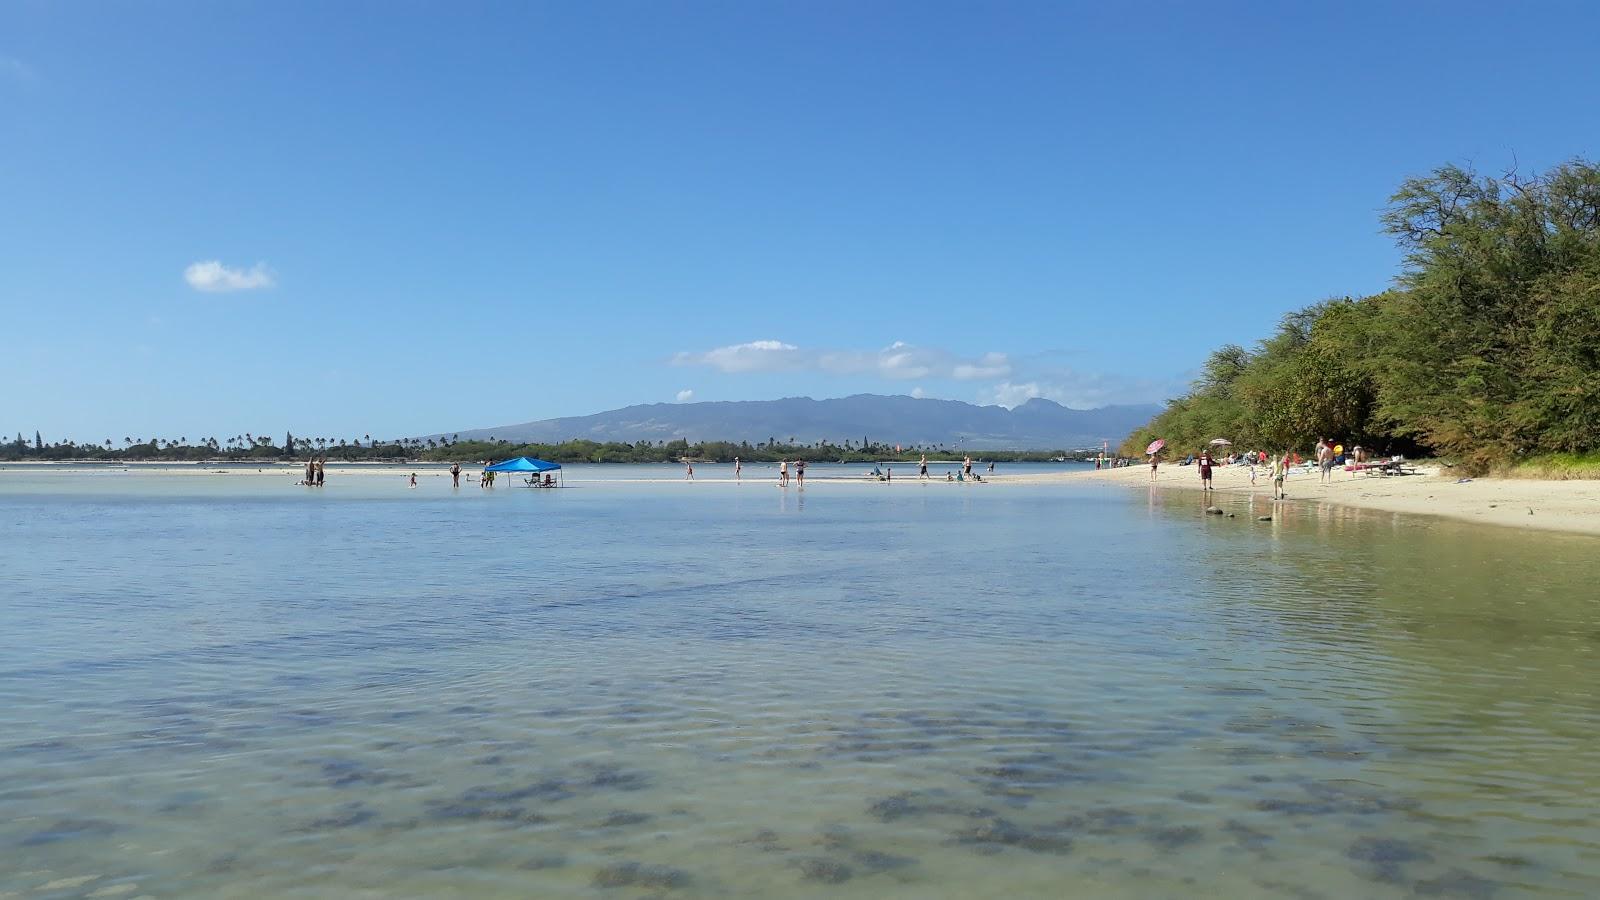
(244, 691)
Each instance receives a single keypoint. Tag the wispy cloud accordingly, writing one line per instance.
(1002, 379)
(17, 70)
(212, 277)
(685, 395)
(1080, 390)
(897, 361)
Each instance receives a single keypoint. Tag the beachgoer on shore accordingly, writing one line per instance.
(455, 474)
(966, 466)
(738, 468)
(1154, 462)
(689, 473)
(922, 467)
(1204, 462)
(783, 473)
(1325, 459)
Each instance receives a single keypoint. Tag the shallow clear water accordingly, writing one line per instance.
(229, 687)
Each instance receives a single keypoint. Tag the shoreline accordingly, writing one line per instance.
(1571, 507)
(1568, 506)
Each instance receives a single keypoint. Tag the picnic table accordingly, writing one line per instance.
(1385, 468)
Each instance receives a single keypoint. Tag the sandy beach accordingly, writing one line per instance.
(1570, 506)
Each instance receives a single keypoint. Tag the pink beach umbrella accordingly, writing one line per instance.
(1155, 447)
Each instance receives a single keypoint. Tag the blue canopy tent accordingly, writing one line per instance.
(524, 465)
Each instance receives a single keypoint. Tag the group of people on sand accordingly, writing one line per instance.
(1327, 455)
(315, 474)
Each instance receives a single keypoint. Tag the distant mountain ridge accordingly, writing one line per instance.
(1035, 425)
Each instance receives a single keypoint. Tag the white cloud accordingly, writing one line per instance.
(1011, 395)
(685, 395)
(212, 277)
(899, 361)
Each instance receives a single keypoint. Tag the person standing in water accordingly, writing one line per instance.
(1154, 462)
(322, 472)
(966, 466)
(413, 479)
(783, 473)
(1280, 469)
(311, 473)
(1204, 462)
(922, 467)
(455, 474)
(689, 474)
(738, 468)
(800, 473)
(991, 467)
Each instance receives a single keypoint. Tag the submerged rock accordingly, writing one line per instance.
(874, 861)
(621, 817)
(70, 829)
(1173, 837)
(632, 874)
(825, 871)
(992, 835)
(1383, 858)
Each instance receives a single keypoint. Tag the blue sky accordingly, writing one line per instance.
(398, 218)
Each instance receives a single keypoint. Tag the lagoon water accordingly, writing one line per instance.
(225, 686)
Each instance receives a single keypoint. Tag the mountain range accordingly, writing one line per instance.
(1037, 424)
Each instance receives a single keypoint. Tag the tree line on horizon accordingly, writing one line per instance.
(1486, 351)
(260, 448)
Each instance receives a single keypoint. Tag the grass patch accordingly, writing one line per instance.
(1557, 467)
